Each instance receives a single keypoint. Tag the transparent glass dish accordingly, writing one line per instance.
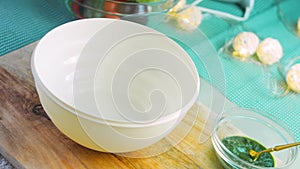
(288, 13)
(256, 125)
(117, 8)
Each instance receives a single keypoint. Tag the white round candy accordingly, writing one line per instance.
(189, 19)
(269, 51)
(178, 6)
(293, 78)
(245, 44)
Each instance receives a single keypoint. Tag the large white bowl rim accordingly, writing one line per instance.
(79, 34)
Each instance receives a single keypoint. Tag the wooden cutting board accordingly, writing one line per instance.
(28, 138)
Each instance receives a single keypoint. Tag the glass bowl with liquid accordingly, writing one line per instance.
(237, 130)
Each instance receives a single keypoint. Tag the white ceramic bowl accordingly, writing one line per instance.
(113, 85)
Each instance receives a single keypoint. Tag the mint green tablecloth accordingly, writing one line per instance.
(245, 83)
(25, 21)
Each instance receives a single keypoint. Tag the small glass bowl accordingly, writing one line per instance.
(117, 8)
(278, 84)
(288, 13)
(286, 65)
(227, 50)
(258, 126)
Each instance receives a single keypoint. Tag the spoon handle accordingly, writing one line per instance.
(281, 147)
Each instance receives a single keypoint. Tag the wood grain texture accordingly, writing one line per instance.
(28, 139)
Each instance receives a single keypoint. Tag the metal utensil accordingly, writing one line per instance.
(255, 154)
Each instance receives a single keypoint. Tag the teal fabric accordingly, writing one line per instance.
(224, 7)
(246, 83)
(25, 21)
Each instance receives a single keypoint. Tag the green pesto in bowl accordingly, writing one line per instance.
(240, 146)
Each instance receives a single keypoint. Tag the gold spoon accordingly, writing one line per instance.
(255, 154)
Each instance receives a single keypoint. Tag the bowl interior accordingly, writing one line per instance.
(117, 70)
(139, 75)
(55, 57)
